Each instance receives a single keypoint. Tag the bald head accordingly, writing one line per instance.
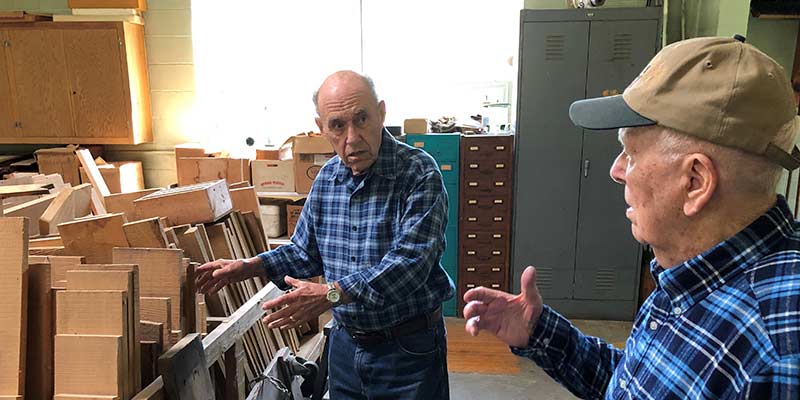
(348, 78)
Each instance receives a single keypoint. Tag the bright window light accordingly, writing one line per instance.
(428, 59)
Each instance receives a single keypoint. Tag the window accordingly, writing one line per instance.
(255, 76)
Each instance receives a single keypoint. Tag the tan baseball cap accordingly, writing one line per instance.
(721, 90)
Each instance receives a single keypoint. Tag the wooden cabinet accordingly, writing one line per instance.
(74, 82)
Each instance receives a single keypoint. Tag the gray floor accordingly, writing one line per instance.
(532, 383)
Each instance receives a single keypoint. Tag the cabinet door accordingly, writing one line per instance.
(97, 83)
(607, 256)
(548, 153)
(40, 80)
(7, 111)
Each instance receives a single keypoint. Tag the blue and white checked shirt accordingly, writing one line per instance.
(381, 237)
(725, 324)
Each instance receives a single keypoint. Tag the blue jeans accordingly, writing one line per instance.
(408, 367)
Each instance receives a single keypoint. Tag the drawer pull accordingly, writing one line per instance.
(474, 148)
(500, 148)
(447, 167)
(471, 252)
(470, 285)
(473, 166)
(470, 269)
(499, 184)
(497, 236)
(471, 236)
(495, 286)
(472, 201)
(473, 184)
(498, 201)
(419, 144)
(498, 219)
(499, 166)
(496, 252)
(495, 269)
(472, 219)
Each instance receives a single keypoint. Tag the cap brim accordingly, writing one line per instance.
(605, 113)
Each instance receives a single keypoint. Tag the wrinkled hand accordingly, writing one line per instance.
(214, 275)
(306, 302)
(510, 318)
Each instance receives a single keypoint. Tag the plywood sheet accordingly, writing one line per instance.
(94, 238)
(13, 297)
(89, 365)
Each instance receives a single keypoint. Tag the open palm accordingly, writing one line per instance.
(510, 318)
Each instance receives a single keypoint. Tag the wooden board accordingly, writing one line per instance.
(256, 231)
(94, 238)
(152, 331)
(33, 210)
(46, 241)
(123, 202)
(96, 312)
(59, 265)
(184, 371)
(22, 190)
(219, 241)
(95, 177)
(14, 310)
(39, 357)
(146, 233)
(192, 170)
(158, 310)
(69, 204)
(60, 161)
(245, 199)
(114, 277)
(209, 201)
(192, 245)
(161, 274)
(89, 365)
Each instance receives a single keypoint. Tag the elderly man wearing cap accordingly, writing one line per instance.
(705, 130)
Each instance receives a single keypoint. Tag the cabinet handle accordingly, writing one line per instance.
(498, 201)
(473, 166)
(500, 148)
(447, 167)
(499, 166)
(471, 236)
(495, 286)
(472, 219)
(497, 236)
(498, 219)
(18, 124)
(499, 184)
(495, 269)
(470, 269)
(419, 145)
(586, 168)
(6, 43)
(473, 184)
(472, 201)
(496, 252)
(474, 148)
(470, 285)
(471, 252)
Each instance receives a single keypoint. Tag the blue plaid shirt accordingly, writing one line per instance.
(725, 324)
(381, 236)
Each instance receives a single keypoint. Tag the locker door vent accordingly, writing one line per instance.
(605, 279)
(623, 47)
(554, 48)
(544, 278)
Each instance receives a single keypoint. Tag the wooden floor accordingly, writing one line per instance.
(483, 354)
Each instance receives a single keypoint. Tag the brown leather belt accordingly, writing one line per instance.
(408, 327)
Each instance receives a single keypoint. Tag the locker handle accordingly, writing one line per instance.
(495, 285)
(447, 167)
(586, 168)
(470, 269)
(419, 145)
(496, 269)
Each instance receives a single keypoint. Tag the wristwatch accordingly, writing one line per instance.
(334, 296)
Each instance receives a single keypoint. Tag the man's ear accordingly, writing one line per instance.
(699, 180)
(318, 120)
(382, 110)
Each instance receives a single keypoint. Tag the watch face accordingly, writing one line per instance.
(333, 296)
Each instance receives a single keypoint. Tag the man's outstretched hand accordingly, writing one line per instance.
(511, 318)
(306, 301)
(213, 276)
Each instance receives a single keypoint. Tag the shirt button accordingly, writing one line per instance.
(354, 228)
(623, 384)
(677, 310)
(653, 325)
(352, 258)
(546, 341)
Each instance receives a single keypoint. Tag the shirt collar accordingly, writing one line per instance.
(694, 279)
(383, 166)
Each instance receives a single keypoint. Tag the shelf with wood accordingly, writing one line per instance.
(74, 82)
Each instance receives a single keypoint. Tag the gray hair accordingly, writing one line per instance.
(745, 171)
(367, 81)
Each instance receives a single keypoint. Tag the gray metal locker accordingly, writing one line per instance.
(569, 217)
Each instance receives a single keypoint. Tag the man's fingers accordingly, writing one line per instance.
(291, 281)
(473, 325)
(528, 282)
(482, 294)
(474, 308)
(280, 301)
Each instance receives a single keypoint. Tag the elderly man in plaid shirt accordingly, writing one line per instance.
(705, 130)
(374, 226)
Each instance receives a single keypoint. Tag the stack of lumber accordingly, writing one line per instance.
(13, 313)
(196, 165)
(96, 342)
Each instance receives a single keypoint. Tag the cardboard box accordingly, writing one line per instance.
(273, 175)
(120, 176)
(415, 125)
(293, 211)
(268, 154)
(310, 153)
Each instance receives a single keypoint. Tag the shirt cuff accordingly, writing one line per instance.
(277, 277)
(548, 325)
(357, 288)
